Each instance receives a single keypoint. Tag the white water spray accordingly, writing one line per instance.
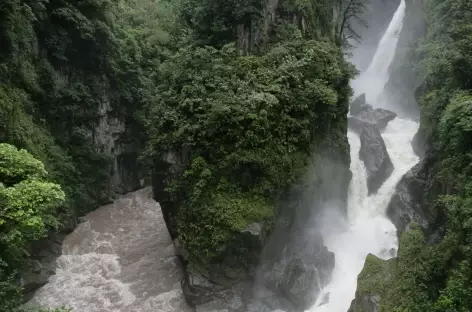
(367, 229)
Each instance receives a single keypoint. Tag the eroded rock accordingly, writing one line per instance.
(374, 154)
(302, 270)
(378, 117)
(408, 204)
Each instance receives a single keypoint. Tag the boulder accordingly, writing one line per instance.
(374, 154)
(378, 117)
(359, 104)
(198, 289)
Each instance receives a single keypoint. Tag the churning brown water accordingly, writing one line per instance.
(121, 259)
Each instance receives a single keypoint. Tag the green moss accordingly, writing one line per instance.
(375, 275)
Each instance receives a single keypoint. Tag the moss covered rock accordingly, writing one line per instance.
(371, 284)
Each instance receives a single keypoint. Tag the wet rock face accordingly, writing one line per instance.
(367, 116)
(367, 303)
(368, 123)
(302, 269)
(374, 154)
(364, 114)
(408, 204)
(42, 265)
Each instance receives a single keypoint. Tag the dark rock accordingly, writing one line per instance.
(408, 203)
(378, 117)
(198, 289)
(359, 104)
(374, 154)
(421, 142)
(301, 271)
(42, 263)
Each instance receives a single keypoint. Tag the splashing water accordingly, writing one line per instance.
(121, 259)
(367, 229)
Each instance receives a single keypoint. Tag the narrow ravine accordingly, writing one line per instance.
(366, 228)
(120, 259)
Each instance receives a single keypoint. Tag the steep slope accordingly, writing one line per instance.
(432, 270)
(74, 75)
(236, 127)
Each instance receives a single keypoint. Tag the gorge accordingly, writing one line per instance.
(223, 156)
(101, 241)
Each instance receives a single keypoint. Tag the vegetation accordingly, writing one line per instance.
(63, 65)
(437, 277)
(28, 208)
(229, 135)
(232, 98)
(249, 125)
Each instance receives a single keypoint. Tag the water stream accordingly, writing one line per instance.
(121, 259)
(366, 228)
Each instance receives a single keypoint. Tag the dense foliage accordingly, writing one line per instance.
(64, 67)
(240, 92)
(28, 208)
(233, 124)
(438, 277)
(248, 126)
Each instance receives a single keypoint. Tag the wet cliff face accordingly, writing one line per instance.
(118, 136)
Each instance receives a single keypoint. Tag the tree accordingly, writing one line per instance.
(28, 202)
(347, 14)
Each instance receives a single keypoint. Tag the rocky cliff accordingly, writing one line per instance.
(234, 187)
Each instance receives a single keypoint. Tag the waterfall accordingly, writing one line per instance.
(366, 228)
(373, 80)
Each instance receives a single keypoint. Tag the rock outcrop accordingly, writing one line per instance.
(116, 136)
(368, 123)
(414, 201)
(367, 116)
(407, 204)
(358, 105)
(374, 154)
(42, 263)
(371, 284)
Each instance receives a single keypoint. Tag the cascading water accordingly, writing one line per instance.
(367, 229)
(373, 80)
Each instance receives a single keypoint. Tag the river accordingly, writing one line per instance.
(120, 259)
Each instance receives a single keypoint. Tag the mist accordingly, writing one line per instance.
(347, 229)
